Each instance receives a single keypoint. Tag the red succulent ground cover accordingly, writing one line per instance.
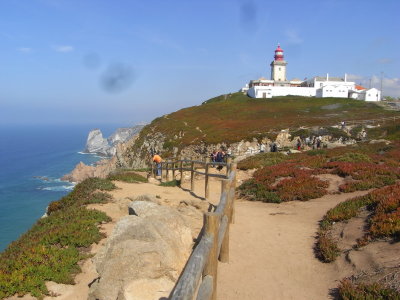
(384, 222)
(285, 181)
(365, 167)
(364, 175)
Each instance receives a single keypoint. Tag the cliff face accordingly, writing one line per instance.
(99, 145)
(120, 141)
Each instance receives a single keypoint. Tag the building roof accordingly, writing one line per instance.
(359, 87)
(320, 78)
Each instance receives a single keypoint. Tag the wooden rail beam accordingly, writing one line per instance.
(211, 226)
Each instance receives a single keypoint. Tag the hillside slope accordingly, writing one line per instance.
(236, 117)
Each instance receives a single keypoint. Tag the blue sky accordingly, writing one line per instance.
(124, 62)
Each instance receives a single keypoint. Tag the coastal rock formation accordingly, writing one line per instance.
(144, 255)
(104, 167)
(97, 144)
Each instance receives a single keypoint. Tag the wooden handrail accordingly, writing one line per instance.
(199, 277)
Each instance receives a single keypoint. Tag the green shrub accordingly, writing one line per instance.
(254, 191)
(171, 183)
(352, 157)
(326, 248)
(52, 248)
(373, 291)
(49, 251)
(127, 176)
(261, 160)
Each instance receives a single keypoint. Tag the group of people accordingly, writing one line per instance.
(219, 157)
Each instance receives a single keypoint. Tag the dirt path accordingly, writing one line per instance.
(271, 245)
(271, 252)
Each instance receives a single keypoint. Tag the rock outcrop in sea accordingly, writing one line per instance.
(97, 144)
(116, 147)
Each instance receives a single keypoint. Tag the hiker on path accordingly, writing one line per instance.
(298, 145)
(157, 159)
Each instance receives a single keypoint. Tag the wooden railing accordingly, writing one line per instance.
(170, 167)
(199, 277)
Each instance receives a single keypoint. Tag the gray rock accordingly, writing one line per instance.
(97, 144)
(149, 249)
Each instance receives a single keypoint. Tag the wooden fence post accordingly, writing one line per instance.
(224, 252)
(232, 200)
(173, 168)
(181, 168)
(192, 175)
(163, 172)
(207, 186)
(152, 174)
(211, 227)
(228, 165)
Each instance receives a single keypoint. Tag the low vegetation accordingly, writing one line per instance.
(235, 117)
(127, 176)
(293, 177)
(261, 160)
(51, 249)
(171, 183)
(374, 291)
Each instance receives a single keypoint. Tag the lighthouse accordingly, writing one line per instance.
(278, 66)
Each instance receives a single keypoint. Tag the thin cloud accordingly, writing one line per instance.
(25, 49)
(292, 37)
(63, 48)
(385, 61)
(390, 86)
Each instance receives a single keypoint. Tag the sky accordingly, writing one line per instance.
(126, 62)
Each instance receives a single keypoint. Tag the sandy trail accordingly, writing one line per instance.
(271, 252)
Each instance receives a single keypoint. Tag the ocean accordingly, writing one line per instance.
(32, 161)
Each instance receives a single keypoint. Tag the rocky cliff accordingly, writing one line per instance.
(99, 145)
(120, 141)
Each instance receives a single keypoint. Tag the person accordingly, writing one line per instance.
(157, 159)
(319, 142)
(262, 148)
(343, 124)
(213, 155)
(298, 144)
(220, 158)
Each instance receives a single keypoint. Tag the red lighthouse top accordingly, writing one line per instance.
(278, 53)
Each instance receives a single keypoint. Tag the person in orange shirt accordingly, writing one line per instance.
(157, 159)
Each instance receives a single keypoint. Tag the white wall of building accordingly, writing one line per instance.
(370, 95)
(337, 91)
(275, 91)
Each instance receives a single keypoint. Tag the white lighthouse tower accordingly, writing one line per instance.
(278, 66)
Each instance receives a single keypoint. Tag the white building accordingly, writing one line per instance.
(317, 86)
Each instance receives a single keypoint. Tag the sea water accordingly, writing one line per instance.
(32, 161)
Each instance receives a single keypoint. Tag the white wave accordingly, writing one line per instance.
(57, 188)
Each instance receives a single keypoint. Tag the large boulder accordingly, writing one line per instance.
(144, 256)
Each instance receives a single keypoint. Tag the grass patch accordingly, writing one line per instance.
(127, 176)
(51, 249)
(261, 160)
(171, 183)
